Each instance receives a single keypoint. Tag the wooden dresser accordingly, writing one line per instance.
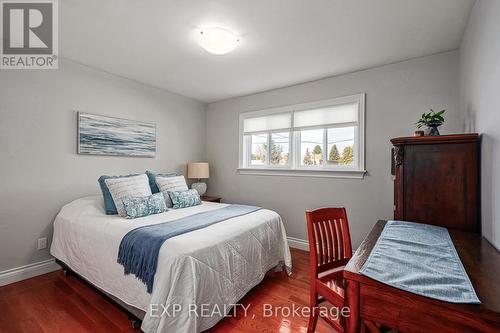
(437, 180)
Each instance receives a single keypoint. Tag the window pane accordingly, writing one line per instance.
(280, 148)
(259, 149)
(311, 147)
(341, 146)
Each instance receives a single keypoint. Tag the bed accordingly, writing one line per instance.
(216, 265)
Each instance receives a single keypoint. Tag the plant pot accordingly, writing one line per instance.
(433, 129)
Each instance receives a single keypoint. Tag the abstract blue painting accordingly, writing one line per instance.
(102, 135)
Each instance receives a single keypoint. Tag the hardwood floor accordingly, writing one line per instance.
(56, 303)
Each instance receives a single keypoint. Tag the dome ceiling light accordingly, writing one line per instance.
(218, 40)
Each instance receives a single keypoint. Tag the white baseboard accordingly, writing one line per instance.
(297, 243)
(25, 272)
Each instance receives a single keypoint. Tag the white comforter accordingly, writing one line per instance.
(216, 265)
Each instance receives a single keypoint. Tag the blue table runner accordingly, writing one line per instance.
(421, 259)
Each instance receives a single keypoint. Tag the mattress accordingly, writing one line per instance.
(211, 267)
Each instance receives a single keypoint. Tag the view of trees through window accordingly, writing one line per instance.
(259, 149)
(339, 144)
(311, 147)
(280, 149)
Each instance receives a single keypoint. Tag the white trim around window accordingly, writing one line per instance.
(327, 123)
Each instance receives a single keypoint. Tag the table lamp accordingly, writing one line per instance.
(198, 170)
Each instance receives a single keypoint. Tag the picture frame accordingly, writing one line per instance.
(113, 136)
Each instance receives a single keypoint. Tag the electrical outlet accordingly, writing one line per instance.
(42, 243)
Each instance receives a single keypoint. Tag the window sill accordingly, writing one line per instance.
(353, 174)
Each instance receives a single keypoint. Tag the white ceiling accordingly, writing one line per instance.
(284, 42)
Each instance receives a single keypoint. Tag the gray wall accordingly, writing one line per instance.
(480, 100)
(395, 97)
(39, 168)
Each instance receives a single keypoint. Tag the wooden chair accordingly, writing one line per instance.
(329, 249)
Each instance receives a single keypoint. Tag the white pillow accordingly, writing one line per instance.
(135, 186)
(170, 184)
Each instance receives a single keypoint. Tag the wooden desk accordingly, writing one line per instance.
(373, 302)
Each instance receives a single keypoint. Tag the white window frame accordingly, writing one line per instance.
(294, 167)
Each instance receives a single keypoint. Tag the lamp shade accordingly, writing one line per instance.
(198, 170)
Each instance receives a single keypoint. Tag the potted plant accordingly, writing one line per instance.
(432, 120)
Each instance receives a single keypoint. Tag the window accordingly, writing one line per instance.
(324, 138)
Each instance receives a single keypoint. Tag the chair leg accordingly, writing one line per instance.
(313, 319)
(371, 327)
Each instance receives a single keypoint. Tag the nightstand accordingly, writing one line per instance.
(210, 199)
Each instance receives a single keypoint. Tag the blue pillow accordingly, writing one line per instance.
(184, 199)
(109, 204)
(143, 206)
(152, 182)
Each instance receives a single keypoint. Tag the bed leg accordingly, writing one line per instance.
(66, 270)
(136, 323)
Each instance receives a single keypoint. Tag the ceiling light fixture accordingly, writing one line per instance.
(218, 40)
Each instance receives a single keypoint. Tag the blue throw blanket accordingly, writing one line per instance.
(421, 259)
(139, 249)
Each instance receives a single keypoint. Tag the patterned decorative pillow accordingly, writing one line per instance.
(143, 206)
(170, 184)
(152, 176)
(109, 204)
(135, 186)
(183, 199)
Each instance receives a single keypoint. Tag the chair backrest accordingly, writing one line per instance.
(329, 238)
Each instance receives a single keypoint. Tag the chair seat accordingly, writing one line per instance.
(331, 287)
